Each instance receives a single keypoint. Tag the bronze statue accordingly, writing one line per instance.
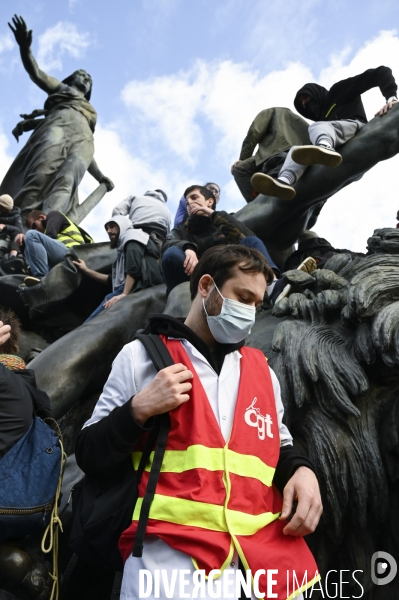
(48, 170)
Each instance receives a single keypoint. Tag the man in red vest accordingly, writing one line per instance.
(216, 511)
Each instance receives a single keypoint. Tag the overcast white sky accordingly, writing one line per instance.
(177, 84)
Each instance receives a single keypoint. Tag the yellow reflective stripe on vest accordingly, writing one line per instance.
(204, 515)
(70, 236)
(211, 459)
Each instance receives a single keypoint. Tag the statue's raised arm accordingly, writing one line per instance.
(48, 170)
(23, 37)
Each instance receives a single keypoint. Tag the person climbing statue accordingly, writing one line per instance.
(338, 114)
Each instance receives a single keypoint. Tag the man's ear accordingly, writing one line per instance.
(205, 285)
(42, 217)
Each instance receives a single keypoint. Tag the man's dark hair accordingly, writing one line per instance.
(33, 215)
(202, 190)
(10, 318)
(220, 262)
(163, 194)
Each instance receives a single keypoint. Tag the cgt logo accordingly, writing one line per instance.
(254, 418)
(383, 568)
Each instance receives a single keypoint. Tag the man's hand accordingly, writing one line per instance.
(303, 487)
(385, 108)
(190, 262)
(4, 333)
(113, 300)
(19, 239)
(167, 391)
(233, 166)
(197, 207)
(80, 263)
(2, 225)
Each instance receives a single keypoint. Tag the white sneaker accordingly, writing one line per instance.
(316, 155)
(268, 186)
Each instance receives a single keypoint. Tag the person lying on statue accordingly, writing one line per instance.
(204, 228)
(136, 266)
(49, 239)
(338, 114)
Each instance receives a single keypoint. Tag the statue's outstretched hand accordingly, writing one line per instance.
(303, 487)
(110, 184)
(385, 108)
(22, 34)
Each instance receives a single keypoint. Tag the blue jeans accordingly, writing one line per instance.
(172, 267)
(42, 252)
(174, 257)
(254, 242)
(100, 308)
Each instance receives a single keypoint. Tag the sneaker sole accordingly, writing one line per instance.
(268, 186)
(30, 282)
(314, 155)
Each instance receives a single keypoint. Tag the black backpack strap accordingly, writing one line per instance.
(156, 349)
(161, 358)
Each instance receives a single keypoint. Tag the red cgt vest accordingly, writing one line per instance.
(213, 497)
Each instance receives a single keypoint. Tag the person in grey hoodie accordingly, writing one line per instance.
(136, 266)
(148, 212)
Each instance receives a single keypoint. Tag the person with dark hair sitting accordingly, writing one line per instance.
(204, 228)
(181, 213)
(216, 504)
(136, 266)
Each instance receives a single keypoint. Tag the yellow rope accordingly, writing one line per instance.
(52, 528)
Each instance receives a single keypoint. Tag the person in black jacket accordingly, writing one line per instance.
(11, 232)
(338, 114)
(204, 228)
(20, 399)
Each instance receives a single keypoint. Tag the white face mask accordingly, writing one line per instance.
(234, 322)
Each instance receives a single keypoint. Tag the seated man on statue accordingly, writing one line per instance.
(181, 213)
(338, 114)
(275, 131)
(204, 228)
(49, 239)
(148, 212)
(216, 509)
(136, 266)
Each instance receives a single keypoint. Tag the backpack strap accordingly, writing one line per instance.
(161, 359)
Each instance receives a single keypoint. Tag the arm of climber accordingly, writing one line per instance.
(348, 89)
(256, 133)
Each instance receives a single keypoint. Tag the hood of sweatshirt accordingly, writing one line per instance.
(123, 223)
(314, 108)
(156, 195)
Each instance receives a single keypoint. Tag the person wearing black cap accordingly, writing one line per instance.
(338, 114)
